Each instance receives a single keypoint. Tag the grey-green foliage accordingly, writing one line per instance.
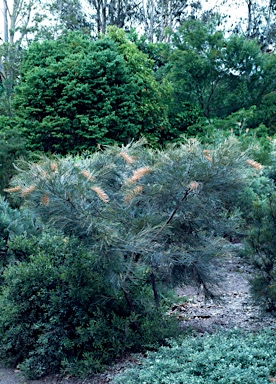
(256, 139)
(224, 358)
(14, 223)
(165, 211)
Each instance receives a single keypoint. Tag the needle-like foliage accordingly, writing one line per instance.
(165, 210)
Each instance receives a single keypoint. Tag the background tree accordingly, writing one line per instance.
(104, 13)
(11, 59)
(160, 16)
(261, 22)
(70, 15)
(18, 16)
(20, 20)
(253, 19)
(215, 74)
(96, 16)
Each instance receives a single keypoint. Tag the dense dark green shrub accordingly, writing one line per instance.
(267, 112)
(59, 312)
(75, 93)
(12, 146)
(258, 205)
(224, 358)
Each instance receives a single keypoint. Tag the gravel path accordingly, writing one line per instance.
(8, 376)
(235, 310)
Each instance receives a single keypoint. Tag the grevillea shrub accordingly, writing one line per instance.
(133, 222)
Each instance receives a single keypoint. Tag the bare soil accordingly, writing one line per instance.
(235, 310)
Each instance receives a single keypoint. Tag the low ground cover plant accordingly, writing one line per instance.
(225, 358)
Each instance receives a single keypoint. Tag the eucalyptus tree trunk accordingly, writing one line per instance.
(2, 72)
(6, 24)
(97, 5)
(271, 10)
(112, 12)
(164, 19)
(17, 16)
(122, 9)
(104, 16)
(249, 18)
(152, 14)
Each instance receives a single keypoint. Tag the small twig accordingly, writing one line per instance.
(130, 304)
(155, 293)
(186, 193)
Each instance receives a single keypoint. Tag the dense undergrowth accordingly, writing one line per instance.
(62, 315)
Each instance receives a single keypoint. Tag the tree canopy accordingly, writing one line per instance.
(219, 74)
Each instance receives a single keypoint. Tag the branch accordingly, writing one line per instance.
(176, 208)
(186, 193)
(24, 32)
